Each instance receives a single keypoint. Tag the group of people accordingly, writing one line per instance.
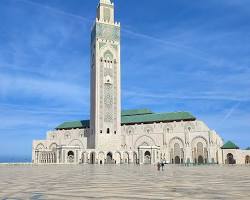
(160, 166)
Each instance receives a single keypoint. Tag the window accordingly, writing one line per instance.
(108, 130)
(100, 131)
(115, 132)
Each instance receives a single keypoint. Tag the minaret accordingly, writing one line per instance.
(105, 80)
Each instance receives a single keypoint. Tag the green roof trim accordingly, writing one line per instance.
(136, 112)
(136, 117)
(229, 145)
(157, 117)
(74, 124)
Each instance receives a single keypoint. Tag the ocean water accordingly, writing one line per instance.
(15, 159)
(123, 182)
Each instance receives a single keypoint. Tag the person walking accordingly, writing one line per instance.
(158, 166)
(162, 166)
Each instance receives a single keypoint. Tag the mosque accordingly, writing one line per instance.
(113, 136)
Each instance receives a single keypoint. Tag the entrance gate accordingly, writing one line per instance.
(109, 159)
(147, 157)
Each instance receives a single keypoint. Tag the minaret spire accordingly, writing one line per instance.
(105, 123)
(105, 11)
(106, 1)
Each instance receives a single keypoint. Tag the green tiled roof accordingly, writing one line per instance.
(157, 117)
(230, 145)
(74, 124)
(136, 117)
(136, 112)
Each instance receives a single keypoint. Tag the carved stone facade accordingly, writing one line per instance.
(105, 78)
(108, 140)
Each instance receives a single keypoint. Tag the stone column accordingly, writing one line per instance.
(58, 159)
(77, 158)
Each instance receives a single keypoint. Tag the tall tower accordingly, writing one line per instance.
(105, 80)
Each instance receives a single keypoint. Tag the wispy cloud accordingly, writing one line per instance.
(55, 10)
(230, 112)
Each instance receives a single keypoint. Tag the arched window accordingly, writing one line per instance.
(108, 131)
(70, 156)
(70, 153)
(230, 159)
(247, 160)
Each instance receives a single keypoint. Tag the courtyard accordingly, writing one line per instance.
(21, 182)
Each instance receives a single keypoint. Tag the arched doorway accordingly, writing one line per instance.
(109, 159)
(177, 153)
(247, 160)
(177, 160)
(71, 157)
(230, 159)
(117, 158)
(135, 158)
(147, 157)
(92, 158)
(200, 160)
(125, 158)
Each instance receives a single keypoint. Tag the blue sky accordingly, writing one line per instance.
(177, 55)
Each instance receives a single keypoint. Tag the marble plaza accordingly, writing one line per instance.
(124, 182)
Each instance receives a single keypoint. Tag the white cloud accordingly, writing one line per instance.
(40, 88)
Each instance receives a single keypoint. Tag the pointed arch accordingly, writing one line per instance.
(126, 157)
(189, 127)
(108, 55)
(108, 49)
(168, 128)
(101, 157)
(176, 139)
(40, 147)
(53, 146)
(199, 138)
(144, 139)
(76, 142)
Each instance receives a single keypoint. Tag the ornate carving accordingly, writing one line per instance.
(106, 14)
(148, 129)
(108, 32)
(108, 117)
(108, 100)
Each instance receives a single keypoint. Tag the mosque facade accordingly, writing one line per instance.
(139, 136)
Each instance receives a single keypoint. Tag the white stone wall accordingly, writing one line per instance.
(166, 135)
(239, 155)
(166, 140)
(60, 142)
